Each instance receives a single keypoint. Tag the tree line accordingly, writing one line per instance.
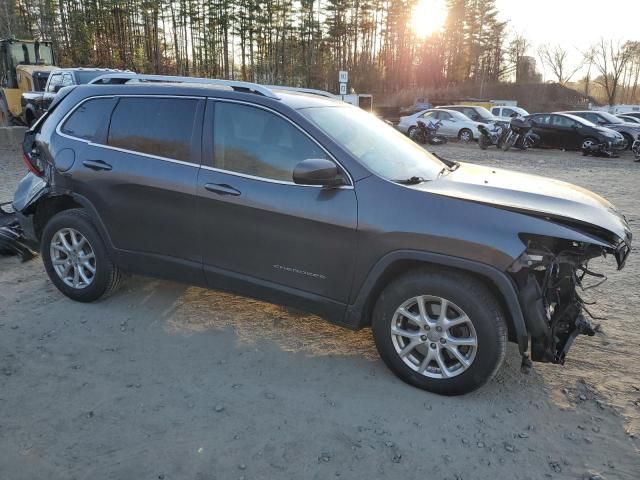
(305, 43)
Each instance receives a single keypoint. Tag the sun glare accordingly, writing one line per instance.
(428, 16)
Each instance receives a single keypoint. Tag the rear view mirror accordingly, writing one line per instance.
(317, 171)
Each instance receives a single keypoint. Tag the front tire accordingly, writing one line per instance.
(588, 142)
(450, 352)
(76, 258)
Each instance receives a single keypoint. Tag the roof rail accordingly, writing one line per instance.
(233, 84)
(312, 91)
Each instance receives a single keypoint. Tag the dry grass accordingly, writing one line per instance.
(198, 310)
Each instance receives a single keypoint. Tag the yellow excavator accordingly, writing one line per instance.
(24, 67)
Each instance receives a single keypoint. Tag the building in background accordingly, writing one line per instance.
(526, 71)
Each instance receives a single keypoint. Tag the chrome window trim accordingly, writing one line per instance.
(118, 149)
(286, 119)
(58, 131)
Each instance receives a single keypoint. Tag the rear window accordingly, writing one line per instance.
(87, 118)
(86, 76)
(156, 126)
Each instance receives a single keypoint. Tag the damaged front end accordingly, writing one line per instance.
(548, 276)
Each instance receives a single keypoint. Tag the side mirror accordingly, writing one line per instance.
(57, 88)
(317, 171)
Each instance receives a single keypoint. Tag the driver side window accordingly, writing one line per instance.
(256, 142)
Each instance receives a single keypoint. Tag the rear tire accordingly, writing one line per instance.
(467, 299)
(90, 253)
(465, 135)
(6, 120)
(629, 140)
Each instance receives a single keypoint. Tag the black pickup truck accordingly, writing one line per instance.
(34, 104)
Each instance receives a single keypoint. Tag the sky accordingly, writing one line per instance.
(575, 24)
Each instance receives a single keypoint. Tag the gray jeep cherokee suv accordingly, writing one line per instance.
(305, 201)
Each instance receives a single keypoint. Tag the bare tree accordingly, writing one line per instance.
(557, 59)
(610, 59)
(588, 59)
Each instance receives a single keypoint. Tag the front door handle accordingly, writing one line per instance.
(221, 189)
(96, 165)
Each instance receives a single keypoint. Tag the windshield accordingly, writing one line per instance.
(378, 146)
(610, 118)
(483, 112)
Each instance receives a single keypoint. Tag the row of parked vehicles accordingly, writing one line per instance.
(593, 132)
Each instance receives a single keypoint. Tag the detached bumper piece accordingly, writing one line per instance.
(12, 240)
(607, 150)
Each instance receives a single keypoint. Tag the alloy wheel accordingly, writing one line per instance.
(73, 258)
(466, 136)
(434, 337)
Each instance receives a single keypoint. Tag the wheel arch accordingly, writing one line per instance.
(49, 205)
(473, 135)
(358, 314)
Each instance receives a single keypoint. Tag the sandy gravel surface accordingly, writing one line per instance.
(166, 381)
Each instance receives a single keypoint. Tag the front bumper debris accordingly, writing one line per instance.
(12, 240)
(548, 276)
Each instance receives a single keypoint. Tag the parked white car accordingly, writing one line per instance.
(454, 124)
(504, 113)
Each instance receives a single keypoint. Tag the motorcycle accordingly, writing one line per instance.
(490, 136)
(519, 135)
(428, 133)
(635, 148)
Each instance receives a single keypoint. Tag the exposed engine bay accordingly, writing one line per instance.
(549, 276)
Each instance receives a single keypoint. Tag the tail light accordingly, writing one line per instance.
(33, 162)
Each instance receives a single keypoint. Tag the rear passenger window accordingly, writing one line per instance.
(256, 142)
(155, 126)
(87, 118)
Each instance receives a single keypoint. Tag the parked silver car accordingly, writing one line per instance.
(454, 124)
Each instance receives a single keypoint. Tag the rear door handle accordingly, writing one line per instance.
(221, 189)
(96, 165)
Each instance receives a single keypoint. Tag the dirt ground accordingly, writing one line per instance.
(167, 381)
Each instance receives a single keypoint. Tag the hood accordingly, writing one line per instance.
(534, 195)
(608, 131)
(30, 69)
(635, 127)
